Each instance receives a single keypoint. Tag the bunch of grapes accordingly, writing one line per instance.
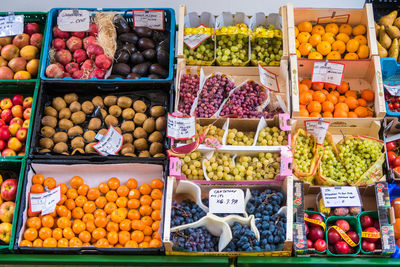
(233, 44)
(245, 101)
(272, 136)
(185, 212)
(204, 52)
(214, 131)
(331, 165)
(189, 86)
(195, 240)
(191, 166)
(239, 138)
(358, 155)
(303, 152)
(243, 239)
(215, 90)
(220, 166)
(266, 47)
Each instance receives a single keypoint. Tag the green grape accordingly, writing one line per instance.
(303, 152)
(192, 167)
(331, 165)
(204, 52)
(272, 135)
(266, 46)
(214, 131)
(240, 138)
(233, 48)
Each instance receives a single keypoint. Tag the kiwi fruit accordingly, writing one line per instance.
(155, 148)
(161, 124)
(124, 102)
(127, 148)
(64, 113)
(69, 98)
(127, 126)
(149, 124)
(157, 111)
(60, 147)
(74, 131)
(155, 137)
(98, 101)
(139, 118)
(110, 119)
(118, 129)
(141, 144)
(128, 138)
(50, 111)
(44, 150)
(49, 121)
(89, 148)
(94, 124)
(46, 143)
(144, 154)
(65, 124)
(47, 131)
(60, 137)
(75, 106)
(78, 151)
(103, 113)
(130, 155)
(87, 107)
(128, 114)
(58, 103)
(65, 153)
(102, 131)
(140, 133)
(89, 136)
(110, 100)
(78, 117)
(159, 155)
(139, 106)
(77, 142)
(115, 111)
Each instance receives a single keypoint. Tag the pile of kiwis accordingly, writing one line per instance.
(70, 126)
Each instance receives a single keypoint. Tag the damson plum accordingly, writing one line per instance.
(122, 56)
(137, 58)
(121, 69)
(146, 43)
(121, 25)
(128, 37)
(149, 54)
(141, 69)
(158, 69)
(143, 31)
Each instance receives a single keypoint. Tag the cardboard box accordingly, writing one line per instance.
(391, 132)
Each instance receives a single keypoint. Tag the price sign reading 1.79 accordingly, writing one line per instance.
(226, 200)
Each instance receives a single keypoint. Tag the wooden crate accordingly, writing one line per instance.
(361, 74)
(338, 15)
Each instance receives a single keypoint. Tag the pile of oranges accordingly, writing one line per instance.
(331, 42)
(331, 101)
(111, 215)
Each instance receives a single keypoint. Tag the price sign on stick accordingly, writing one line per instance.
(341, 196)
(327, 72)
(11, 25)
(45, 202)
(318, 128)
(181, 127)
(73, 20)
(268, 79)
(110, 144)
(194, 40)
(226, 200)
(154, 19)
(393, 90)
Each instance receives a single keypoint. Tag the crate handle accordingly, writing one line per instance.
(107, 88)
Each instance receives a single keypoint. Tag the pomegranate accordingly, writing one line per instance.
(54, 71)
(94, 50)
(74, 43)
(63, 56)
(58, 44)
(71, 67)
(103, 62)
(88, 41)
(66, 74)
(6, 73)
(80, 35)
(80, 56)
(31, 28)
(61, 66)
(97, 73)
(88, 65)
(59, 33)
(93, 29)
(77, 74)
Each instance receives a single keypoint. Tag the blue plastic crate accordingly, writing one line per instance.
(126, 12)
(390, 68)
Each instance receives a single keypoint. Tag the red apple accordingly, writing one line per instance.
(5, 232)
(320, 245)
(8, 152)
(6, 103)
(4, 133)
(6, 115)
(27, 114)
(21, 40)
(2, 123)
(343, 224)
(371, 230)
(27, 102)
(32, 28)
(316, 217)
(316, 233)
(9, 189)
(17, 120)
(309, 244)
(354, 236)
(17, 111)
(36, 40)
(2, 145)
(7, 211)
(366, 221)
(333, 236)
(22, 134)
(25, 124)
(367, 246)
(13, 128)
(14, 144)
(17, 99)
(342, 247)
(307, 228)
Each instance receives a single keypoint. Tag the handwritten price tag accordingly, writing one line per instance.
(45, 202)
(180, 127)
(109, 144)
(318, 128)
(154, 19)
(73, 20)
(327, 72)
(194, 40)
(393, 90)
(174, 166)
(213, 143)
(226, 200)
(268, 79)
(341, 196)
(11, 25)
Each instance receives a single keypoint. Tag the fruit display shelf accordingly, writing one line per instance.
(390, 136)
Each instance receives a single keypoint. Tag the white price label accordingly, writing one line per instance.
(327, 72)
(110, 144)
(194, 40)
(226, 200)
(318, 128)
(341, 196)
(393, 90)
(181, 127)
(45, 202)
(73, 20)
(154, 19)
(268, 79)
(11, 25)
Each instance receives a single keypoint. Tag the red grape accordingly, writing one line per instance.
(189, 86)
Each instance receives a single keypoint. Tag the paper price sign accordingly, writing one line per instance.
(174, 166)
(154, 19)
(393, 90)
(318, 128)
(73, 20)
(268, 79)
(11, 25)
(110, 144)
(226, 200)
(181, 128)
(327, 72)
(45, 202)
(194, 40)
(341, 196)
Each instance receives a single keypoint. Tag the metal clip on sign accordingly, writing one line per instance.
(75, 12)
(11, 16)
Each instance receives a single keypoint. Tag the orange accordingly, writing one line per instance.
(340, 114)
(78, 226)
(339, 46)
(76, 182)
(125, 225)
(118, 215)
(93, 193)
(361, 39)
(99, 213)
(297, 43)
(63, 188)
(62, 211)
(351, 102)
(38, 243)
(315, 39)
(298, 53)
(328, 37)
(123, 237)
(157, 194)
(132, 183)
(351, 56)
(85, 236)
(147, 220)
(342, 37)
(89, 207)
(315, 115)
(146, 209)
(363, 51)
(99, 233)
(333, 55)
(113, 183)
(315, 55)
(396, 227)
(111, 196)
(25, 243)
(100, 202)
(343, 88)
(121, 202)
(147, 230)
(47, 221)
(83, 189)
(50, 183)
(137, 236)
(305, 98)
(327, 115)
(57, 233)
(318, 29)
(37, 179)
(75, 242)
(362, 102)
(324, 48)
(329, 87)
(328, 106)
(342, 99)
(305, 26)
(147, 238)
(318, 86)
(303, 112)
(345, 28)
(50, 242)
(145, 189)
(63, 243)
(342, 106)
(305, 49)
(112, 226)
(101, 221)
(332, 27)
(63, 222)
(102, 243)
(112, 238)
(314, 106)
(359, 30)
(352, 114)
(110, 207)
(154, 243)
(351, 93)
(123, 191)
(88, 217)
(335, 93)
(68, 233)
(63, 198)
(103, 187)
(45, 232)
(332, 98)
(303, 37)
(80, 201)
(133, 214)
(159, 184)
(138, 225)
(368, 95)
(296, 31)
(156, 225)
(361, 112)
(37, 188)
(145, 200)
(70, 204)
(395, 204)
(90, 226)
(133, 203)
(134, 193)
(156, 204)
(34, 222)
(144, 245)
(156, 235)
(305, 81)
(352, 45)
(156, 215)
(131, 244)
(72, 193)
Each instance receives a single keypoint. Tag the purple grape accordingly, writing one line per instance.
(189, 86)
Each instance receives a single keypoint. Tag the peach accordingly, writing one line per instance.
(33, 66)
(6, 73)
(17, 64)
(22, 75)
(29, 52)
(9, 52)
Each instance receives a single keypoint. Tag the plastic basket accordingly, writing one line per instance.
(309, 212)
(390, 68)
(354, 223)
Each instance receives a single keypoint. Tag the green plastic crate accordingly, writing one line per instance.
(354, 223)
(17, 166)
(41, 19)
